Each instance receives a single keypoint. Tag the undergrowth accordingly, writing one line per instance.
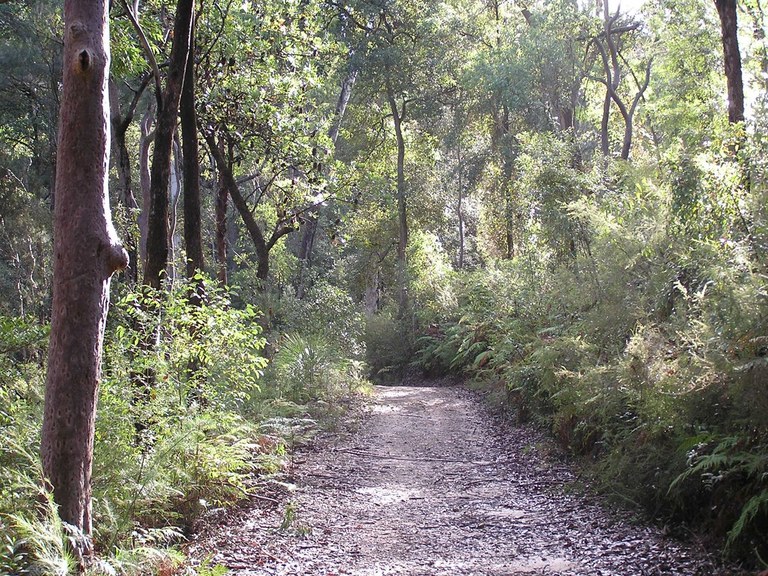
(183, 424)
(641, 346)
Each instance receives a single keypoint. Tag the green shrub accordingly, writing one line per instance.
(388, 346)
(631, 322)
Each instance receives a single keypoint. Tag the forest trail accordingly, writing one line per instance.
(427, 487)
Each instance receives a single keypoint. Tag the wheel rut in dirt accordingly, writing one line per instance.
(426, 487)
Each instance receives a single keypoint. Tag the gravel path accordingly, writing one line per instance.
(428, 487)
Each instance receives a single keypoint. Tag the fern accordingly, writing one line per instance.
(730, 457)
(755, 505)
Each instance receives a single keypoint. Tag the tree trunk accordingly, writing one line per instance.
(221, 235)
(157, 234)
(341, 104)
(727, 10)
(86, 254)
(125, 195)
(310, 226)
(193, 239)
(174, 195)
(402, 215)
(460, 214)
(605, 144)
(254, 230)
(147, 136)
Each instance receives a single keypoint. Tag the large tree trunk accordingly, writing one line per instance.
(157, 234)
(86, 254)
(727, 10)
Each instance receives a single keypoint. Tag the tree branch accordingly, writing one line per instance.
(150, 55)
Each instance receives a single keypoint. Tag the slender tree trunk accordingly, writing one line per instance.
(157, 236)
(605, 144)
(221, 235)
(127, 199)
(460, 214)
(145, 178)
(310, 227)
(193, 239)
(86, 254)
(341, 104)
(254, 230)
(727, 10)
(174, 196)
(125, 195)
(398, 116)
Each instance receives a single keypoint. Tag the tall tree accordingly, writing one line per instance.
(608, 46)
(167, 115)
(727, 10)
(121, 121)
(259, 119)
(191, 168)
(86, 254)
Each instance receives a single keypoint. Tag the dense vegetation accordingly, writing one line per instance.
(559, 200)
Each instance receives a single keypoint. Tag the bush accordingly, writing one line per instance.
(641, 348)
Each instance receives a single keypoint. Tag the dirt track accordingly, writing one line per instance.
(426, 488)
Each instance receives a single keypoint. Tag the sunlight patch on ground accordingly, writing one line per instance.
(380, 495)
(507, 513)
(537, 565)
(381, 409)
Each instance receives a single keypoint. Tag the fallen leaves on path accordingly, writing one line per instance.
(426, 487)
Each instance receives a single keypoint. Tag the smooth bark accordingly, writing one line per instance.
(398, 115)
(146, 139)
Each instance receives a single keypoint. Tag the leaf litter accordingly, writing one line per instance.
(428, 486)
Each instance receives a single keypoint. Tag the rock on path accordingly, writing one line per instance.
(426, 487)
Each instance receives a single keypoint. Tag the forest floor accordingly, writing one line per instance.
(428, 484)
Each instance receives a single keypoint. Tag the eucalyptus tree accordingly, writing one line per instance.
(260, 67)
(193, 240)
(727, 10)
(167, 118)
(406, 70)
(609, 43)
(86, 254)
